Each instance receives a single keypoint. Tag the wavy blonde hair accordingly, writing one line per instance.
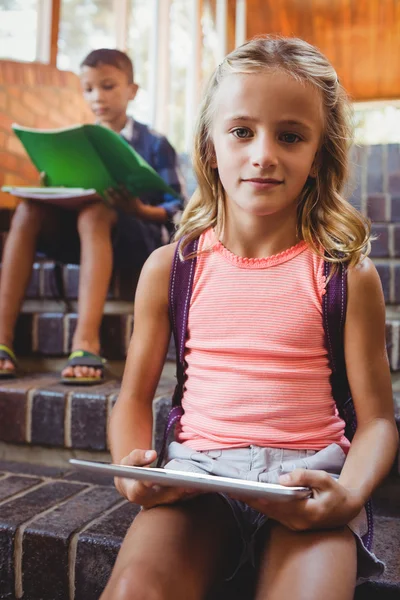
(325, 219)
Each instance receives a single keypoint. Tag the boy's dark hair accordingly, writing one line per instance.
(110, 56)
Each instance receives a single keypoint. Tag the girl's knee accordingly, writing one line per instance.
(136, 583)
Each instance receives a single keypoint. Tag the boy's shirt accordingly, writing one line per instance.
(158, 152)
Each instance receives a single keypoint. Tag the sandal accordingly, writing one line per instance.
(81, 358)
(7, 354)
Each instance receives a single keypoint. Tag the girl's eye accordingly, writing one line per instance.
(108, 87)
(290, 138)
(241, 133)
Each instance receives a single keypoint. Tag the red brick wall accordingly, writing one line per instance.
(34, 95)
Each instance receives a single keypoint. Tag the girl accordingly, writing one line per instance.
(271, 160)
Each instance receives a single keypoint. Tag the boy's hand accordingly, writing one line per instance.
(331, 505)
(121, 198)
(146, 493)
(43, 179)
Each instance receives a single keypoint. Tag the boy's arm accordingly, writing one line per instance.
(121, 198)
(131, 419)
(163, 207)
(376, 440)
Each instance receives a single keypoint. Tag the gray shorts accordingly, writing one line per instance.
(267, 464)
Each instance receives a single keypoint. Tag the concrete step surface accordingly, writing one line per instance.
(60, 532)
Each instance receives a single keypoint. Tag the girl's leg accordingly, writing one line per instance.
(175, 552)
(308, 565)
(95, 223)
(29, 220)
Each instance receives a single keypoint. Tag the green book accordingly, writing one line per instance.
(89, 157)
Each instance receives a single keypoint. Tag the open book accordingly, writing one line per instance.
(60, 196)
(91, 158)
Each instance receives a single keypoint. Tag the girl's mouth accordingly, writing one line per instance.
(263, 183)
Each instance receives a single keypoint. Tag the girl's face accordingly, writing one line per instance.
(266, 133)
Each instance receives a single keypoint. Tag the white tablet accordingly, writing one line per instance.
(196, 481)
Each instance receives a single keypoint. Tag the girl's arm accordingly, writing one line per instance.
(131, 419)
(375, 443)
(335, 503)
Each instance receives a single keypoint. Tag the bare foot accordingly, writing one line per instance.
(81, 372)
(7, 365)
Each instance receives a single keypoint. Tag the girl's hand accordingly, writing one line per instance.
(331, 505)
(145, 493)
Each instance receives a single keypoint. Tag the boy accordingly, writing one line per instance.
(97, 237)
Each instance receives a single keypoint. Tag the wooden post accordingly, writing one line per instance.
(55, 27)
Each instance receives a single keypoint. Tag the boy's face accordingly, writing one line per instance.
(107, 92)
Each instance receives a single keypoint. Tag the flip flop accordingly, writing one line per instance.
(81, 358)
(7, 354)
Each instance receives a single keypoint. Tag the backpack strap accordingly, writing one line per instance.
(334, 305)
(180, 293)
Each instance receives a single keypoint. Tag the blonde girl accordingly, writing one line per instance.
(271, 158)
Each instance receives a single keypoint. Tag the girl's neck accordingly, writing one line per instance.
(255, 237)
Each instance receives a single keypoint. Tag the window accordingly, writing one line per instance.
(377, 122)
(180, 49)
(84, 26)
(141, 20)
(18, 29)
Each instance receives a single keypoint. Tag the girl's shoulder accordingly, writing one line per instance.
(154, 277)
(160, 260)
(363, 276)
(365, 294)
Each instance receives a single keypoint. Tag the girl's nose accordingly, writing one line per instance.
(264, 153)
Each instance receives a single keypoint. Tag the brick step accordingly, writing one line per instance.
(60, 532)
(36, 410)
(53, 280)
(49, 334)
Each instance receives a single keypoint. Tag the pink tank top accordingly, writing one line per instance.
(257, 367)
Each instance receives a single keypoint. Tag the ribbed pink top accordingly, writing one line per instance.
(257, 367)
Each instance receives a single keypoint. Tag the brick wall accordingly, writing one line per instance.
(376, 174)
(34, 95)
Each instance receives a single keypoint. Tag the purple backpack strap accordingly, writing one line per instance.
(334, 307)
(180, 292)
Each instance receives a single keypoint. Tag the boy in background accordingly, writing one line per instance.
(97, 236)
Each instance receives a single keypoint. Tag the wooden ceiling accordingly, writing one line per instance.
(360, 37)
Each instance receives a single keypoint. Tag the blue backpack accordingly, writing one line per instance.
(334, 305)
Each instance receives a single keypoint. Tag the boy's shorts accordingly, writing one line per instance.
(267, 464)
(132, 241)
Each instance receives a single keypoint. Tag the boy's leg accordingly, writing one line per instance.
(95, 223)
(175, 552)
(19, 252)
(308, 565)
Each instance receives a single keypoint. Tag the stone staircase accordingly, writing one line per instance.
(60, 531)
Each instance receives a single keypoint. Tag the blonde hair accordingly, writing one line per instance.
(325, 219)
